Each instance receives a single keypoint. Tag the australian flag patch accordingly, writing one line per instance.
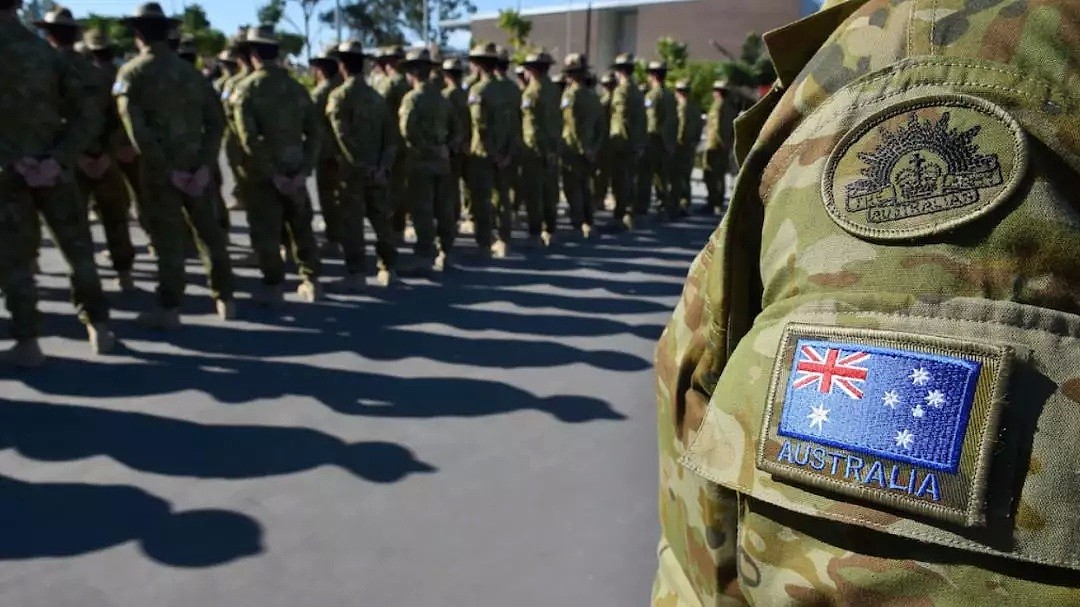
(901, 419)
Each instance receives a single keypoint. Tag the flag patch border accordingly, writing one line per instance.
(956, 497)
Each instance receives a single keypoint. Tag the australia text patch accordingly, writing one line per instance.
(903, 420)
(924, 166)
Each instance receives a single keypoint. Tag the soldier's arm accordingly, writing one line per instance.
(341, 124)
(391, 139)
(313, 133)
(407, 122)
(247, 129)
(213, 125)
(83, 117)
(483, 118)
(134, 120)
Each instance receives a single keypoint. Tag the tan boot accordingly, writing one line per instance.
(499, 249)
(385, 278)
(309, 291)
(547, 238)
(410, 234)
(586, 231)
(441, 262)
(102, 339)
(160, 318)
(125, 282)
(226, 310)
(628, 222)
(467, 227)
(25, 354)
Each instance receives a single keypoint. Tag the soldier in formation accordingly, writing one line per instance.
(328, 170)
(688, 138)
(541, 132)
(583, 130)
(655, 169)
(716, 152)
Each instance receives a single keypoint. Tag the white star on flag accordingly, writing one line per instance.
(892, 398)
(818, 416)
(918, 411)
(904, 438)
(919, 377)
(935, 398)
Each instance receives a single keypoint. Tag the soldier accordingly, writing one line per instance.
(392, 86)
(542, 125)
(506, 177)
(656, 167)
(459, 149)
(227, 61)
(489, 146)
(328, 172)
(427, 128)
(602, 176)
(234, 155)
(99, 179)
(559, 80)
(187, 49)
(870, 384)
(716, 153)
(689, 136)
(582, 135)
(627, 140)
(176, 156)
(49, 122)
(280, 135)
(367, 136)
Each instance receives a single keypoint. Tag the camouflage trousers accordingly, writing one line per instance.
(20, 238)
(169, 215)
(62, 210)
(398, 193)
(362, 199)
(328, 185)
(275, 220)
(716, 164)
(654, 173)
(110, 198)
(504, 182)
(682, 170)
(217, 181)
(601, 179)
(432, 212)
(234, 156)
(623, 182)
(454, 184)
(479, 185)
(539, 188)
(577, 174)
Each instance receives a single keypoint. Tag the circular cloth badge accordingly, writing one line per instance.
(923, 167)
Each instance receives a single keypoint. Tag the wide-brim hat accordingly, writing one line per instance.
(351, 48)
(263, 34)
(607, 78)
(682, 85)
(720, 85)
(58, 17)
(420, 58)
(575, 62)
(488, 52)
(97, 40)
(151, 11)
(390, 53)
(226, 56)
(453, 66)
(624, 60)
(656, 66)
(327, 57)
(541, 59)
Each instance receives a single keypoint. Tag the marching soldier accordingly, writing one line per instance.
(627, 139)
(176, 157)
(559, 80)
(427, 128)
(392, 86)
(506, 174)
(459, 149)
(541, 131)
(489, 146)
(234, 155)
(367, 137)
(227, 61)
(48, 123)
(602, 178)
(656, 167)
(689, 136)
(582, 135)
(328, 172)
(716, 153)
(280, 135)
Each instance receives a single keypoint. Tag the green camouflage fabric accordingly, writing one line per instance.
(541, 125)
(175, 121)
(427, 128)
(689, 130)
(734, 534)
(328, 170)
(657, 168)
(505, 187)
(367, 137)
(459, 149)
(717, 153)
(234, 153)
(627, 141)
(393, 87)
(602, 176)
(280, 134)
(582, 137)
(491, 135)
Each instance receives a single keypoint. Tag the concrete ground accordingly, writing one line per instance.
(485, 439)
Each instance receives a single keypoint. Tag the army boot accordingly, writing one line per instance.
(499, 249)
(441, 262)
(547, 238)
(160, 318)
(25, 354)
(102, 339)
(125, 282)
(309, 291)
(226, 309)
(386, 278)
(467, 227)
(586, 231)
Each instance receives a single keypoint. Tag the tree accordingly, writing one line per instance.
(119, 33)
(752, 67)
(384, 22)
(517, 28)
(273, 13)
(208, 40)
(673, 52)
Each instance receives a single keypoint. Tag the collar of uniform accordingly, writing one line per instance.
(156, 48)
(791, 47)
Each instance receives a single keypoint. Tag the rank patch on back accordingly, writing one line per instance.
(904, 420)
(924, 166)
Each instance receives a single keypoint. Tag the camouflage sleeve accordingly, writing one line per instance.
(83, 116)
(247, 128)
(341, 123)
(213, 125)
(682, 124)
(135, 123)
(482, 109)
(407, 122)
(313, 132)
(697, 552)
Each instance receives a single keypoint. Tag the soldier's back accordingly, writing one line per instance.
(171, 95)
(279, 103)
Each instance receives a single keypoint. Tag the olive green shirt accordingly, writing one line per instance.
(541, 116)
(627, 118)
(661, 115)
(690, 123)
(319, 97)
(365, 131)
(583, 121)
(427, 128)
(490, 123)
(459, 111)
(277, 124)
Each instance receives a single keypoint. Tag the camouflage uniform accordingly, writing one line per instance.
(177, 126)
(907, 206)
(689, 136)
(541, 125)
(393, 87)
(506, 177)
(602, 176)
(367, 137)
(234, 152)
(490, 142)
(459, 106)
(328, 171)
(716, 153)
(627, 141)
(657, 167)
(582, 136)
(427, 129)
(280, 135)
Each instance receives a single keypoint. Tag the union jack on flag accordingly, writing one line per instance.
(831, 370)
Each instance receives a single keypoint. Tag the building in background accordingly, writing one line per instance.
(605, 28)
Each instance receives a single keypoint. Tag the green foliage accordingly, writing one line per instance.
(673, 52)
(385, 22)
(753, 67)
(271, 12)
(517, 28)
(701, 75)
(208, 40)
(119, 33)
(291, 44)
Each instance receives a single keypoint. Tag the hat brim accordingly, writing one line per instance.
(407, 63)
(134, 20)
(263, 41)
(483, 57)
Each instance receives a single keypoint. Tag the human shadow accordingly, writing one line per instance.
(173, 447)
(49, 520)
(350, 392)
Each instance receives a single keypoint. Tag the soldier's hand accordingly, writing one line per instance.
(44, 173)
(127, 154)
(284, 185)
(94, 166)
(200, 178)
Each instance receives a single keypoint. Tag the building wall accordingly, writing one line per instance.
(695, 22)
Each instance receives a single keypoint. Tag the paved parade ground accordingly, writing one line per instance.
(484, 439)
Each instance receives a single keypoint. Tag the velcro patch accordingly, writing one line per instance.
(923, 167)
(902, 420)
